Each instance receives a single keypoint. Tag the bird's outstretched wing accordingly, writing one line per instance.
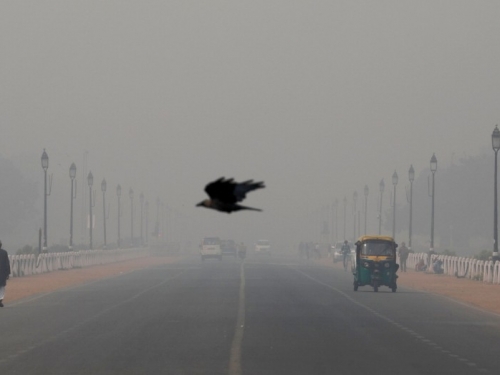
(228, 191)
(243, 188)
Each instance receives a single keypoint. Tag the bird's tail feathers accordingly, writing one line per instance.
(240, 207)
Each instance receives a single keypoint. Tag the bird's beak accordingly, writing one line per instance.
(200, 204)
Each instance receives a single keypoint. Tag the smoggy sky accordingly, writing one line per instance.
(316, 98)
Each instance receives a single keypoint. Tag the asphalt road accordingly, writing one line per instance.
(269, 316)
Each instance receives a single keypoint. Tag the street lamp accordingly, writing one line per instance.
(131, 195)
(495, 141)
(345, 210)
(118, 194)
(90, 180)
(336, 222)
(394, 182)
(366, 205)
(103, 189)
(146, 208)
(141, 200)
(354, 199)
(382, 187)
(45, 166)
(411, 177)
(72, 176)
(157, 228)
(433, 170)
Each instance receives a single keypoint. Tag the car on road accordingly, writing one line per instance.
(229, 247)
(262, 247)
(210, 248)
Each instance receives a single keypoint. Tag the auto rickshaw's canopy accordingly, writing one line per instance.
(372, 238)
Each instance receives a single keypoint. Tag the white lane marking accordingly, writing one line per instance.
(383, 317)
(81, 323)
(235, 356)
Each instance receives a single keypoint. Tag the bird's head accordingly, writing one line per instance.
(204, 203)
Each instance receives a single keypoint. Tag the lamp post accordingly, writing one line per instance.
(433, 170)
(495, 140)
(146, 209)
(141, 200)
(157, 229)
(366, 205)
(131, 195)
(103, 189)
(382, 187)
(90, 180)
(354, 200)
(336, 222)
(345, 210)
(72, 176)
(394, 182)
(45, 166)
(118, 194)
(411, 177)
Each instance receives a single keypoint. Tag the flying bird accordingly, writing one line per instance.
(225, 193)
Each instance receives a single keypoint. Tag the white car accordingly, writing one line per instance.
(210, 248)
(262, 247)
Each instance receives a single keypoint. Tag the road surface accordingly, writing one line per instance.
(268, 315)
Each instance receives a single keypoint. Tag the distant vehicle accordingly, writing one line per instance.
(229, 247)
(210, 248)
(262, 247)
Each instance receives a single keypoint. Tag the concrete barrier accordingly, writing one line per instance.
(31, 264)
(474, 269)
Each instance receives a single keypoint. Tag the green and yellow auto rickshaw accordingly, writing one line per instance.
(375, 262)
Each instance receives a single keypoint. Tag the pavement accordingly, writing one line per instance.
(267, 315)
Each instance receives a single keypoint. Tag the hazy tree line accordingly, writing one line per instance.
(18, 199)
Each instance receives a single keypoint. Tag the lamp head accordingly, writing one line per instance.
(434, 163)
(103, 185)
(495, 139)
(382, 185)
(411, 174)
(72, 171)
(45, 160)
(90, 179)
(395, 178)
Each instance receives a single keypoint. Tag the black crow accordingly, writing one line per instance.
(224, 194)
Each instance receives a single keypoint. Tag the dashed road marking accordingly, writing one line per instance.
(235, 355)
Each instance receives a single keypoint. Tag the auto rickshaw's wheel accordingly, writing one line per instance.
(375, 288)
(394, 288)
(355, 286)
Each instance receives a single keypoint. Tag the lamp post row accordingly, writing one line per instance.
(90, 182)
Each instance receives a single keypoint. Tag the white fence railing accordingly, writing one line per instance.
(481, 270)
(25, 265)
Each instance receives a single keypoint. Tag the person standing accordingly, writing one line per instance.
(403, 256)
(4, 272)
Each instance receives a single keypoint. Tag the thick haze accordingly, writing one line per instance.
(317, 99)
